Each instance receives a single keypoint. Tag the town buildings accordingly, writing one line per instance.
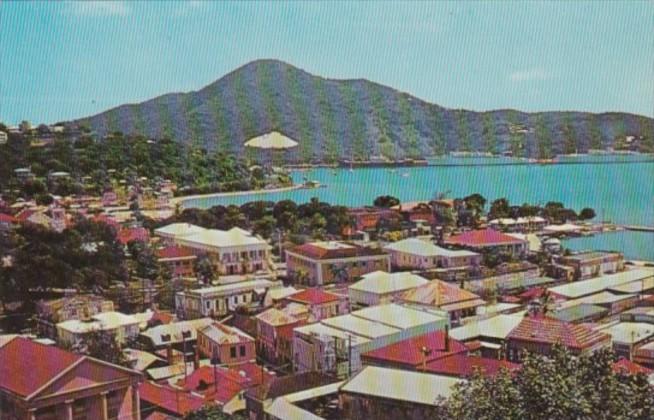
(437, 294)
(320, 263)
(179, 260)
(370, 395)
(413, 253)
(320, 304)
(225, 345)
(335, 344)
(78, 307)
(55, 384)
(275, 334)
(593, 263)
(120, 326)
(538, 334)
(220, 300)
(380, 287)
(487, 239)
(235, 251)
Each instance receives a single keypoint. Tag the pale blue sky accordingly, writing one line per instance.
(66, 60)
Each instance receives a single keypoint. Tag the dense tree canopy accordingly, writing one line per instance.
(556, 387)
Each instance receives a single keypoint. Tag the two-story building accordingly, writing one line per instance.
(40, 382)
(179, 260)
(321, 263)
(121, 326)
(221, 300)
(413, 253)
(228, 345)
(593, 263)
(321, 304)
(51, 312)
(235, 251)
(485, 239)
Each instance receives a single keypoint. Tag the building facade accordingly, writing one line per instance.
(321, 263)
(63, 386)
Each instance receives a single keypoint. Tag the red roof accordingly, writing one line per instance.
(485, 237)
(127, 235)
(410, 351)
(313, 296)
(463, 366)
(161, 317)
(5, 218)
(175, 252)
(231, 381)
(318, 252)
(169, 399)
(552, 331)
(26, 366)
(625, 366)
(25, 214)
(532, 294)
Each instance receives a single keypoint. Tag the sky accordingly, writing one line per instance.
(65, 60)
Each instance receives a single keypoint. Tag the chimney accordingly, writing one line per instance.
(447, 338)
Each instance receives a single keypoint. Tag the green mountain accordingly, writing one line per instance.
(335, 119)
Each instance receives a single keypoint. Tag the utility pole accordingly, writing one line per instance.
(349, 355)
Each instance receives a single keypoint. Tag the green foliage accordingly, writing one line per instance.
(86, 256)
(463, 132)
(587, 214)
(489, 134)
(101, 345)
(543, 138)
(204, 269)
(358, 145)
(557, 387)
(386, 201)
(212, 412)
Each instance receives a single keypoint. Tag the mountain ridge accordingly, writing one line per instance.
(355, 118)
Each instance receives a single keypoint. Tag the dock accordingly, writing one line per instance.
(640, 228)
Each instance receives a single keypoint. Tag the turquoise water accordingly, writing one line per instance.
(636, 245)
(622, 193)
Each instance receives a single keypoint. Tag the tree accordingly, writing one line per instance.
(499, 209)
(204, 269)
(212, 412)
(386, 201)
(587, 214)
(101, 345)
(561, 386)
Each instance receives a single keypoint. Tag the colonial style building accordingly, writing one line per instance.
(320, 263)
(592, 264)
(179, 260)
(235, 251)
(437, 294)
(417, 254)
(220, 300)
(53, 384)
(485, 239)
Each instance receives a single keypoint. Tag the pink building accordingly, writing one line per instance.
(179, 259)
(52, 383)
(231, 345)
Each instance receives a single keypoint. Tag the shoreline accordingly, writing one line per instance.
(180, 200)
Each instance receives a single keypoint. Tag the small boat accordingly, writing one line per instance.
(405, 174)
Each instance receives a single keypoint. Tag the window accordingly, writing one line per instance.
(242, 351)
(232, 352)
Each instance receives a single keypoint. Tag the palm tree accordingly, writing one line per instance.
(340, 273)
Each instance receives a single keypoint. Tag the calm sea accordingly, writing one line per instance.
(620, 192)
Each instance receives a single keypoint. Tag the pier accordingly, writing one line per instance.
(639, 228)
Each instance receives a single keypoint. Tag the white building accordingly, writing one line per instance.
(220, 300)
(115, 323)
(356, 333)
(234, 251)
(380, 287)
(174, 333)
(418, 254)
